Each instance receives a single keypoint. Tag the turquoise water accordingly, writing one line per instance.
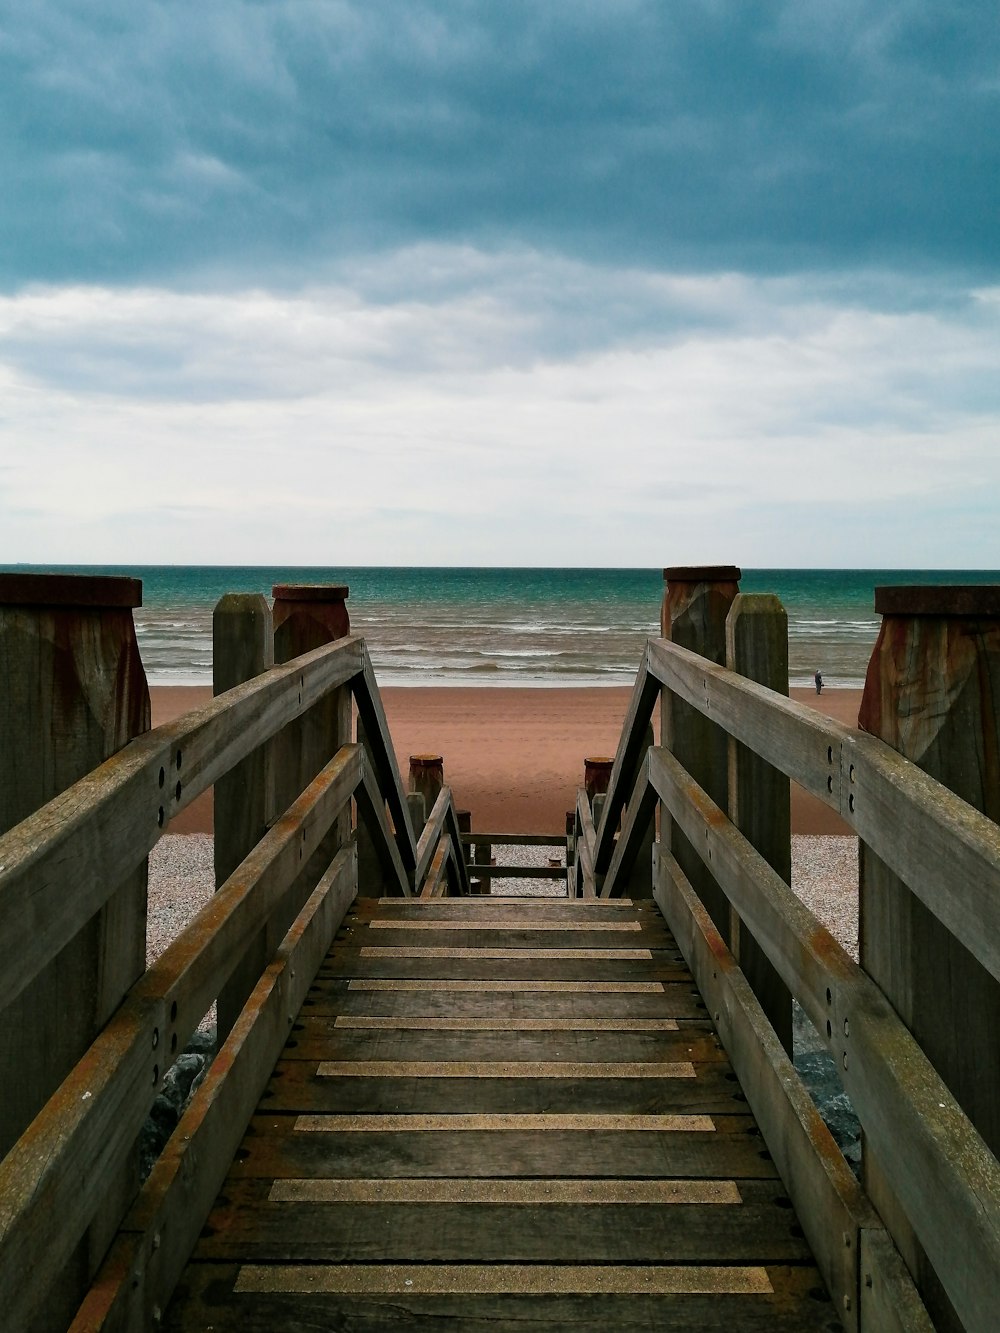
(511, 626)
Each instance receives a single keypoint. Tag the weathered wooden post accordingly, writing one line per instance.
(759, 794)
(696, 602)
(242, 648)
(427, 777)
(307, 616)
(72, 693)
(933, 693)
(597, 775)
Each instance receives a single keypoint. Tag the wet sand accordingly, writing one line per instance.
(514, 757)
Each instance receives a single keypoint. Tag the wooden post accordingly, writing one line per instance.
(933, 693)
(597, 775)
(418, 811)
(307, 616)
(242, 648)
(759, 794)
(72, 693)
(696, 602)
(427, 777)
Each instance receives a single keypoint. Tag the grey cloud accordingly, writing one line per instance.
(238, 142)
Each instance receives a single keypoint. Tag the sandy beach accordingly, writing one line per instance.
(514, 757)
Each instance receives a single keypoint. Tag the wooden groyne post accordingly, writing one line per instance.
(243, 647)
(696, 601)
(307, 616)
(72, 693)
(932, 692)
(760, 795)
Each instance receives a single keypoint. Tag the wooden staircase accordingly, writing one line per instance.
(499, 1113)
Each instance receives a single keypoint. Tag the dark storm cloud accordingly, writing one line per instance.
(256, 143)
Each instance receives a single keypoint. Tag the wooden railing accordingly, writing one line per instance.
(943, 1175)
(58, 868)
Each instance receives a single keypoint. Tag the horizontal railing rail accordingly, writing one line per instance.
(945, 1177)
(59, 866)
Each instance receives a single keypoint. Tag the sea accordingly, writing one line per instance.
(495, 627)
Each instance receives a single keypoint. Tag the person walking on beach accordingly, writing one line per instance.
(819, 682)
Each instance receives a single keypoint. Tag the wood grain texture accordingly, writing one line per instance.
(522, 1146)
(943, 1174)
(54, 874)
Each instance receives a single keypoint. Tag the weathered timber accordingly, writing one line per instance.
(83, 1133)
(386, 771)
(427, 777)
(371, 807)
(827, 1198)
(944, 1175)
(930, 693)
(586, 880)
(371, 880)
(760, 802)
(72, 693)
(307, 617)
(696, 602)
(597, 774)
(430, 835)
(242, 648)
(628, 760)
(627, 866)
(948, 853)
(488, 1188)
(149, 1255)
(54, 863)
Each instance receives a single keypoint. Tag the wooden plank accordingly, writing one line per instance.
(519, 1122)
(505, 924)
(889, 1301)
(463, 1023)
(371, 800)
(826, 1196)
(430, 835)
(947, 853)
(544, 1005)
(484, 1221)
(586, 879)
(539, 1192)
(387, 777)
(91, 1123)
(296, 1088)
(797, 1302)
(943, 1174)
(320, 1038)
(617, 1069)
(519, 967)
(728, 1152)
(516, 839)
(628, 761)
(459, 867)
(147, 1259)
(435, 883)
(634, 834)
(54, 874)
(497, 1279)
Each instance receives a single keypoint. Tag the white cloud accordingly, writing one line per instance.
(512, 408)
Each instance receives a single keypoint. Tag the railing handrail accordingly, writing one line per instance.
(946, 851)
(935, 1161)
(54, 864)
(92, 835)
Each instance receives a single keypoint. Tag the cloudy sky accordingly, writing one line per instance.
(630, 283)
